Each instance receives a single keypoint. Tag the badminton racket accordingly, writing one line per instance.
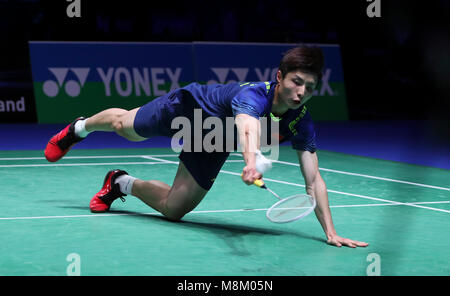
(288, 209)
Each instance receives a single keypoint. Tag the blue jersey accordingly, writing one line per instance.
(255, 99)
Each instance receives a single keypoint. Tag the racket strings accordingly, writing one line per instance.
(291, 208)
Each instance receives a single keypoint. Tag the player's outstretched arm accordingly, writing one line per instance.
(315, 186)
(249, 130)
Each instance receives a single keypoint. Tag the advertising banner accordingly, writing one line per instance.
(227, 62)
(17, 103)
(73, 79)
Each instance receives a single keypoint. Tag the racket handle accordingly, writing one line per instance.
(259, 183)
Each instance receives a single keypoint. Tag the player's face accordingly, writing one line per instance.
(296, 88)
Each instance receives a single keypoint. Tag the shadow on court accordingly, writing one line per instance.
(230, 233)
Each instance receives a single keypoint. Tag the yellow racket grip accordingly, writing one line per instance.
(258, 182)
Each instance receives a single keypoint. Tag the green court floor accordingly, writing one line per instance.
(402, 210)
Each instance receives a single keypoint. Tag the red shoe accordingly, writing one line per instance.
(101, 202)
(61, 143)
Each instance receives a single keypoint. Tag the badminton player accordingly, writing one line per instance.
(299, 73)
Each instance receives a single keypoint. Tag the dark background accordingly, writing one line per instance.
(395, 66)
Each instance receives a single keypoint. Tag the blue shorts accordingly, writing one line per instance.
(155, 118)
(204, 166)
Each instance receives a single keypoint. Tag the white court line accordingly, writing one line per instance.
(176, 162)
(89, 157)
(162, 161)
(99, 156)
(75, 164)
(368, 176)
(159, 159)
(233, 154)
(95, 163)
(196, 212)
(348, 194)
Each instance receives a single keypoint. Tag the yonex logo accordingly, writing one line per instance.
(223, 76)
(325, 88)
(72, 87)
(241, 74)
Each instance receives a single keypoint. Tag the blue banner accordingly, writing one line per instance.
(71, 79)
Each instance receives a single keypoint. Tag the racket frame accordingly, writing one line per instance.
(302, 215)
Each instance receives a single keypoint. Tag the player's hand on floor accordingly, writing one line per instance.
(338, 241)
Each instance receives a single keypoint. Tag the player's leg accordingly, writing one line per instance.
(151, 119)
(172, 201)
(196, 174)
(195, 177)
(110, 120)
(103, 121)
(115, 120)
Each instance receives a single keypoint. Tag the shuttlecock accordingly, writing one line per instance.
(263, 164)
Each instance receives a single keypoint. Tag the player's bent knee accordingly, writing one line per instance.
(174, 217)
(176, 213)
